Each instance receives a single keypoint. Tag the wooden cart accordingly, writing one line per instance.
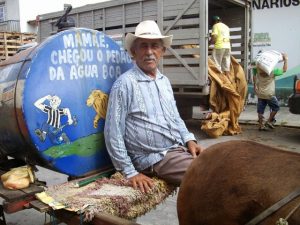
(17, 200)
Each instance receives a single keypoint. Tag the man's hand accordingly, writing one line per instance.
(194, 148)
(141, 182)
(70, 121)
(255, 88)
(285, 60)
(213, 39)
(284, 56)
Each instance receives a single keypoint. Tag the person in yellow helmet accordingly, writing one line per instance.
(220, 37)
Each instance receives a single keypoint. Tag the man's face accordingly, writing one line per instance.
(147, 53)
(55, 102)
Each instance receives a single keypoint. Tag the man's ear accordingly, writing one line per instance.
(132, 51)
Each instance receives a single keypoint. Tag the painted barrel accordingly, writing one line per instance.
(53, 101)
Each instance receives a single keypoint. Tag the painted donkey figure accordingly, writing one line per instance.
(231, 183)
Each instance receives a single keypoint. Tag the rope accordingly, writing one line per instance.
(292, 212)
(284, 221)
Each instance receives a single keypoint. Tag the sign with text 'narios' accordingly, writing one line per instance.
(270, 4)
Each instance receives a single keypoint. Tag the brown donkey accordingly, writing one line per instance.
(231, 183)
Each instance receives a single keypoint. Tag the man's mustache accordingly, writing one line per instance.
(150, 58)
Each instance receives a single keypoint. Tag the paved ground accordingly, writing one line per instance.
(285, 136)
(249, 116)
(283, 117)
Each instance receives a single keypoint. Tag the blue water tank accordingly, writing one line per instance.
(53, 100)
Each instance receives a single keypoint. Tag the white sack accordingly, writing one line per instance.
(267, 60)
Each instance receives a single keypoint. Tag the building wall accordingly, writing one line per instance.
(276, 26)
(31, 8)
(10, 21)
(12, 10)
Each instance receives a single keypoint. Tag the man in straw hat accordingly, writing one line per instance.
(144, 133)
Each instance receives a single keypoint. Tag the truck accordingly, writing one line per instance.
(185, 63)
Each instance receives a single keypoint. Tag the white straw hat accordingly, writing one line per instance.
(147, 29)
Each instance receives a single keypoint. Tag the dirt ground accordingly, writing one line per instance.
(165, 214)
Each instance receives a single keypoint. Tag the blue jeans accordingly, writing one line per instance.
(272, 103)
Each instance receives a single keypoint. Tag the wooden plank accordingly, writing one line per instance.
(72, 218)
(176, 61)
(15, 206)
(11, 41)
(186, 51)
(185, 33)
(32, 189)
(10, 195)
(40, 206)
(193, 41)
(14, 195)
(183, 22)
(106, 219)
(179, 15)
(178, 70)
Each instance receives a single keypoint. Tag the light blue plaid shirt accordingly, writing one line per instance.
(142, 121)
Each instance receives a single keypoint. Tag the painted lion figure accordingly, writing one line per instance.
(98, 100)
